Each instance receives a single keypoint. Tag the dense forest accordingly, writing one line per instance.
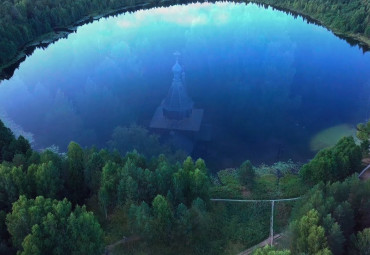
(86, 200)
(343, 16)
(21, 22)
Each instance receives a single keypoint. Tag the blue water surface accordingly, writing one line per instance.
(267, 82)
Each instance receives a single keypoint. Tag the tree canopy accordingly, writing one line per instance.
(167, 206)
(45, 226)
(333, 164)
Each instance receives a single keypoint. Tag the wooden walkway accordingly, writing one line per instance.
(365, 174)
(124, 240)
(260, 245)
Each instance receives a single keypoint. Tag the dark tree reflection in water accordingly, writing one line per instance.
(268, 82)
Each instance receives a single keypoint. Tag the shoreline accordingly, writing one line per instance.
(352, 39)
(43, 41)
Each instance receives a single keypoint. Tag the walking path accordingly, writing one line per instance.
(365, 174)
(124, 240)
(261, 244)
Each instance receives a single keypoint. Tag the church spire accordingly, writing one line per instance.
(177, 69)
(177, 104)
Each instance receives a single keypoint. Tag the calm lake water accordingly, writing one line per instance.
(272, 87)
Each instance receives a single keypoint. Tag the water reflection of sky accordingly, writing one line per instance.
(268, 82)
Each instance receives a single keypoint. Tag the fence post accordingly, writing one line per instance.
(272, 223)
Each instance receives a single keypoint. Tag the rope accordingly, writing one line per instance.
(253, 200)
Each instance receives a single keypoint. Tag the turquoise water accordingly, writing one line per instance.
(266, 81)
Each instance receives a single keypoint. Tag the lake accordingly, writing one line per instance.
(270, 86)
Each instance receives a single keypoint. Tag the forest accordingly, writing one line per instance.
(21, 22)
(24, 21)
(346, 17)
(86, 200)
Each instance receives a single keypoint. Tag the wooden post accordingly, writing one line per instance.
(272, 223)
(260, 200)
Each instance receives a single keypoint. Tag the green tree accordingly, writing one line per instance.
(25, 214)
(75, 179)
(199, 185)
(140, 219)
(342, 208)
(45, 226)
(333, 164)
(189, 183)
(344, 215)
(334, 235)
(84, 233)
(188, 164)
(6, 138)
(268, 250)
(149, 185)
(108, 189)
(309, 236)
(201, 165)
(134, 137)
(247, 174)
(183, 223)
(93, 170)
(361, 243)
(363, 131)
(22, 146)
(164, 176)
(121, 192)
(162, 219)
(48, 180)
(49, 155)
(19, 160)
(12, 184)
(131, 189)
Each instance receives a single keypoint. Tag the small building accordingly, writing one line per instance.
(177, 112)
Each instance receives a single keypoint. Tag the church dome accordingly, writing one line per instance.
(177, 69)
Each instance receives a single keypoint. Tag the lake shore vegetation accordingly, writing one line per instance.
(93, 201)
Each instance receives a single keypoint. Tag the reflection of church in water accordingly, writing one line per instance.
(177, 114)
(176, 111)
